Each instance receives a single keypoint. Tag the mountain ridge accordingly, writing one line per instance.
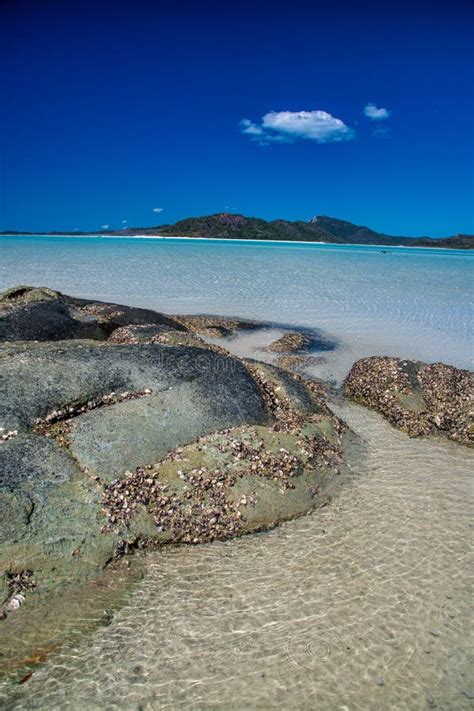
(321, 228)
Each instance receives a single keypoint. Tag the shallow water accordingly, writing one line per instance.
(365, 604)
(412, 302)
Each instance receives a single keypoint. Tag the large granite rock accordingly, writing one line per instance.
(39, 314)
(146, 438)
(74, 416)
(192, 391)
(418, 398)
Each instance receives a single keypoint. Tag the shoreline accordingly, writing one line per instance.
(227, 239)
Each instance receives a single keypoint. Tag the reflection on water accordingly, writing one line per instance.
(365, 604)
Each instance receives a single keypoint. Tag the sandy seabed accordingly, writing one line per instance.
(365, 604)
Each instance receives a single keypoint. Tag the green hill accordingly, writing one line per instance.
(226, 225)
(230, 226)
(318, 229)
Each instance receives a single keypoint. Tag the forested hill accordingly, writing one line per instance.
(318, 229)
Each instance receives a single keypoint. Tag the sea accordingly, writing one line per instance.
(371, 300)
(364, 604)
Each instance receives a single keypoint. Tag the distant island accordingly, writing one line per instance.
(318, 229)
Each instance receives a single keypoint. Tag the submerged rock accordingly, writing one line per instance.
(299, 362)
(418, 398)
(293, 342)
(216, 326)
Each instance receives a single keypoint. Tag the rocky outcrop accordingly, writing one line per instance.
(418, 398)
(141, 434)
(241, 479)
(40, 314)
(188, 392)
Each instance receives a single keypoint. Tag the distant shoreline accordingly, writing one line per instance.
(380, 247)
(239, 228)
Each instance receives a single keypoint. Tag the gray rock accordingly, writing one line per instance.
(107, 445)
(38, 378)
(39, 314)
(418, 398)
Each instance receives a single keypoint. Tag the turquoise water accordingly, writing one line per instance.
(407, 301)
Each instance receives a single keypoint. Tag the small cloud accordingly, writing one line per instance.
(124, 222)
(105, 227)
(374, 113)
(158, 209)
(250, 128)
(290, 126)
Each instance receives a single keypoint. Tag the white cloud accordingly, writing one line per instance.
(289, 126)
(251, 129)
(105, 227)
(158, 209)
(124, 222)
(374, 113)
(317, 126)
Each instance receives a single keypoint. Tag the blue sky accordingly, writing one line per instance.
(358, 110)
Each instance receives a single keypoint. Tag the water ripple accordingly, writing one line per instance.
(364, 604)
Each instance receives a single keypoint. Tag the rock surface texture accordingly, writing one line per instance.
(418, 398)
(41, 314)
(290, 343)
(121, 428)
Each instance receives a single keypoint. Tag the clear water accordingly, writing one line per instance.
(412, 302)
(365, 604)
